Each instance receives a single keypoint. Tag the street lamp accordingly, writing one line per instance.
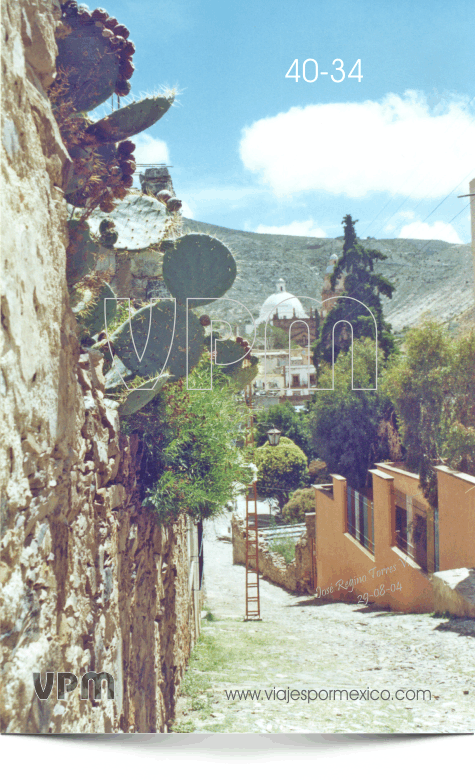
(273, 435)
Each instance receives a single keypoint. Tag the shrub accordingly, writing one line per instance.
(281, 469)
(301, 501)
(190, 463)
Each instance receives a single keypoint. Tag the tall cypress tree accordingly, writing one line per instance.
(365, 285)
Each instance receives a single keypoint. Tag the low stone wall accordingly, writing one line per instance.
(295, 576)
(454, 592)
(92, 581)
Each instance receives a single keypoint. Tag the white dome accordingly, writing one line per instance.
(283, 304)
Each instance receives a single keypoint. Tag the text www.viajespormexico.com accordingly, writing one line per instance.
(337, 695)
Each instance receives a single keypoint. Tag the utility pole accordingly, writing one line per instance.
(471, 195)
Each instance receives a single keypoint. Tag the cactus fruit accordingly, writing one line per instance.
(140, 220)
(174, 204)
(140, 396)
(131, 119)
(82, 252)
(100, 175)
(91, 63)
(156, 335)
(107, 233)
(205, 320)
(164, 195)
(198, 265)
(90, 316)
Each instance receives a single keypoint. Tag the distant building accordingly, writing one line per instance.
(293, 378)
(284, 310)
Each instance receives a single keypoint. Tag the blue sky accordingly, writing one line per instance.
(253, 150)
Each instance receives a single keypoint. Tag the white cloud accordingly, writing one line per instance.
(396, 145)
(150, 150)
(295, 228)
(187, 211)
(422, 230)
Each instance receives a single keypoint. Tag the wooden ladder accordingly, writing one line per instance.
(253, 605)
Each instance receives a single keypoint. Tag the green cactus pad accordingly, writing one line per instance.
(228, 351)
(91, 66)
(93, 318)
(131, 119)
(244, 375)
(140, 396)
(140, 220)
(82, 253)
(198, 265)
(156, 322)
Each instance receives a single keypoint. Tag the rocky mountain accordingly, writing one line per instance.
(432, 277)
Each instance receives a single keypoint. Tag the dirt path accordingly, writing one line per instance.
(307, 644)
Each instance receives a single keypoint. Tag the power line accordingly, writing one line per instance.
(462, 110)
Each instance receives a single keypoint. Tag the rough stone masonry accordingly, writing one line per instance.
(89, 580)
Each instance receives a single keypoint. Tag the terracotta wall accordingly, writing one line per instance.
(456, 519)
(346, 570)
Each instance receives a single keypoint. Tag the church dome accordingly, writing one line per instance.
(283, 304)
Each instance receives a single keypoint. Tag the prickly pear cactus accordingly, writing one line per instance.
(145, 340)
(82, 253)
(94, 60)
(101, 174)
(131, 119)
(140, 221)
(228, 351)
(90, 311)
(141, 395)
(198, 265)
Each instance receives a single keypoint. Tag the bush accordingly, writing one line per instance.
(281, 469)
(190, 463)
(301, 501)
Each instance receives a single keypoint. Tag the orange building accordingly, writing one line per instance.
(389, 548)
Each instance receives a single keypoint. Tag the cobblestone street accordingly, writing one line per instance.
(307, 644)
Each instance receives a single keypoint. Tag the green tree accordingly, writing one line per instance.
(190, 462)
(281, 468)
(366, 286)
(432, 385)
(301, 501)
(291, 423)
(344, 423)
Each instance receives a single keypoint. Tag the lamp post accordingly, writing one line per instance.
(273, 435)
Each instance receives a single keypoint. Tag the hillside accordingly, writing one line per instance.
(430, 276)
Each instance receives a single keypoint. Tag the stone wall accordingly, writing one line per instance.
(295, 576)
(90, 580)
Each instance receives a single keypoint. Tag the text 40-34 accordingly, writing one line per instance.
(310, 71)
